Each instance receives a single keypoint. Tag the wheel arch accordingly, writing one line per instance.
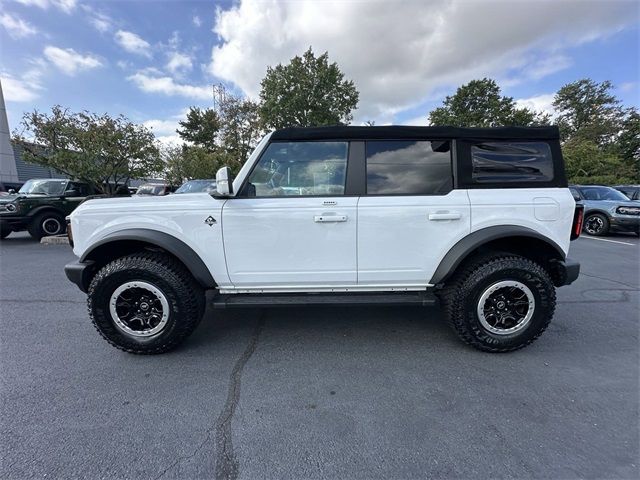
(45, 209)
(505, 238)
(133, 240)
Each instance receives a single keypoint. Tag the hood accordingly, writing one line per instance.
(613, 203)
(145, 203)
(19, 196)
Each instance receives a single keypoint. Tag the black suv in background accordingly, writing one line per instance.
(40, 206)
(631, 191)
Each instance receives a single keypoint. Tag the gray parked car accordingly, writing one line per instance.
(606, 209)
(631, 191)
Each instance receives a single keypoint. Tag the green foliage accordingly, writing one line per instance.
(241, 128)
(588, 109)
(190, 162)
(629, 142)
(200, 128)
(99, 149)
(585, 162)
(309, 91)
(479, 103)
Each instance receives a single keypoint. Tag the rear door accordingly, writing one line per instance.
(410, 216)
(291, 226)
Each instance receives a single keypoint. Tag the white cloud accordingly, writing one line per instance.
(69, 61)
(133, 43)
(179, 62)
(152, 83)
(540, 103)
(66, 6)
(197, 21)
(398, 53)
(165, 130)
(15, 26)
(23, 89)
(101, 22)
(628, 86)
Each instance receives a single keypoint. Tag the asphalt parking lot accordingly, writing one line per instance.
(320, 393)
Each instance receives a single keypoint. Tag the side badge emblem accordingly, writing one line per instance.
(210, 220)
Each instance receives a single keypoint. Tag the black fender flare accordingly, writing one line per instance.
(468, 244)
(167, 242)
(45, 208)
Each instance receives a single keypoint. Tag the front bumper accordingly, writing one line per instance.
(566, 272)
(79, 273)
(14, 223)
(626, 223)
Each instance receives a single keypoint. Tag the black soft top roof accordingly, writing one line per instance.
(414, 133)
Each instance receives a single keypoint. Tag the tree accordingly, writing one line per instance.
(190, 162)
(479, 103)
(588, 109)
(629, 142)
(201, 128)
(309, 91)
(99, 149)
(241, 128)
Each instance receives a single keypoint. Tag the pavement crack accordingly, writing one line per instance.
(634, 287)
(227, 466)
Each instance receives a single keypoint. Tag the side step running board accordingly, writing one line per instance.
(261, 300)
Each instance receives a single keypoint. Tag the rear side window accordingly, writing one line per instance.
(516, 162)
(401, 167)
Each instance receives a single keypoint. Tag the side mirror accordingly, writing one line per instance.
(72, 193)
(224, 182)
(576, 197)
(11, 191)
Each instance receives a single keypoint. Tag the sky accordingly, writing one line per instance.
(152, 60)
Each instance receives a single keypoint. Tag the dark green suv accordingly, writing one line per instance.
(41, 206)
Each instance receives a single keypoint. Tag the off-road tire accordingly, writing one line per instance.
(40, 225)
(185, 297)
(605, 222)
(461, 296)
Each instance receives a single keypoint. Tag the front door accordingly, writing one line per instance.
(291, 226)
(410, 216)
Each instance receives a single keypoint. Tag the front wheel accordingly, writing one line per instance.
(500, 303)
(145, 303)
(596, 224)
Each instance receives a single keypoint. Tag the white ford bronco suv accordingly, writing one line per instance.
(478, 220)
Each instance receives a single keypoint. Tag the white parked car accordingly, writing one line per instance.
(479, 220)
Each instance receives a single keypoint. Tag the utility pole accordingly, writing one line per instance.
(219, 96)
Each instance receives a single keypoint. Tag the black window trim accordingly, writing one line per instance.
(452, 165)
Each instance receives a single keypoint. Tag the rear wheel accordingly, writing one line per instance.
(46, 224)
(596, 224)
(145, 303)
(500, 303)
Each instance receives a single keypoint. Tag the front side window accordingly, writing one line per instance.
(300, 169)
(500, 162)
(400, 167)
(44, 187)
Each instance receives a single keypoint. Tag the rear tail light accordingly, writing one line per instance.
(69, 232)
(578, 216)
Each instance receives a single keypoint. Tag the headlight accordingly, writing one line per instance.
(628, 210)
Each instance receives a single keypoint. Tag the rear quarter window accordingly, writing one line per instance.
(511, 162)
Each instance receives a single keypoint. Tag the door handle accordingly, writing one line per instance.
(329, 218)
(445, 216)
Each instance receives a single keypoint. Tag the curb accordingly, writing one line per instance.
(55, 240)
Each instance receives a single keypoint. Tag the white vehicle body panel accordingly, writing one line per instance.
(402, 239)
(295, 241)
(548, 211)
(182, 216)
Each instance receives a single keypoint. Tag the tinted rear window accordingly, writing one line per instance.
(499, 162)
(401, 167)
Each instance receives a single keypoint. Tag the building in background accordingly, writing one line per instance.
(13, 169)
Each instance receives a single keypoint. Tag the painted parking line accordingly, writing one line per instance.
(605, 240)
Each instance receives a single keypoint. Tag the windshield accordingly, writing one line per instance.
(150, 190)
(44, 187)
(198, 186)
(603, 193)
